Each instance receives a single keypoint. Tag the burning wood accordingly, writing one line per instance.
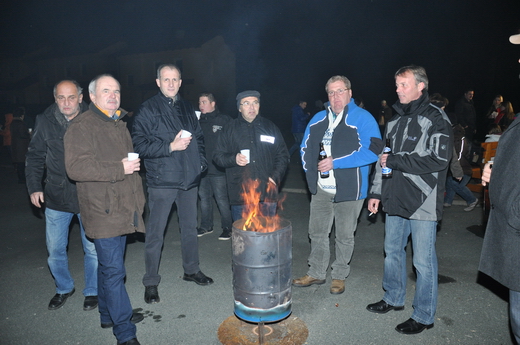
(255, 219)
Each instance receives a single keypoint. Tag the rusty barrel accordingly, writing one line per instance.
(262, 274)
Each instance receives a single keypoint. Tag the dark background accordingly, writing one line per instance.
(288, 49)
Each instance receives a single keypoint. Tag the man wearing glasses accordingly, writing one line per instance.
(352, 141)
(252, 147)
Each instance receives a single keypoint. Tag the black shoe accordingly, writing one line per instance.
(59, 300)
(411, 326)
(201, 232)
(90, 303)
(198, 278)
(226, 234)
(136, 318)
(151, 294)
(130, 342)
(382, 307)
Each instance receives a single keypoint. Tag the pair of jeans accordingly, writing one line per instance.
(514, 313)
(214, 186)
(298, 137)
(160, 202)
(324, 213)
(267, 209)
(57, 227)
(423, 232)
(453, 186)
(114, 303)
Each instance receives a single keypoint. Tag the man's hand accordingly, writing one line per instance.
(180, 144)
(383, 159)
(37, 199)
(131, 166)
(325, 165)
(241, 159)
(486, 173)
(373, 205)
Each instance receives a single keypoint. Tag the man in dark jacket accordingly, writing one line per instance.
(422, 144)
(500, 257)
(299, 122)
(213, 181)
(46, 157)
(110, 195)
(268, 155)
(167, 134)
(466, 114)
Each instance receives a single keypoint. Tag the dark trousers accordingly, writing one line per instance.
(214, 186)
(114, 303)
(160, 202)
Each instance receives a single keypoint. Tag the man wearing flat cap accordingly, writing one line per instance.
(251, 134)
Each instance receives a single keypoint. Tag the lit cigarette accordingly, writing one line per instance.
(371, 214)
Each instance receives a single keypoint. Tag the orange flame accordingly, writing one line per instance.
(254, 219)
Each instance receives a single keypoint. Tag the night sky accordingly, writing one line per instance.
(288, 49)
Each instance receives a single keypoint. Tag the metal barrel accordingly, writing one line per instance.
(262, 273)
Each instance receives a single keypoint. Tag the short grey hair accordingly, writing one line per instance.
(338, 78)
(170, 66)
(92, 85)
(55, 89)
(419, 74)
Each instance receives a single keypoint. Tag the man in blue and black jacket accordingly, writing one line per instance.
(352, 141)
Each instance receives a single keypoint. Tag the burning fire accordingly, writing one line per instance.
(254, 218)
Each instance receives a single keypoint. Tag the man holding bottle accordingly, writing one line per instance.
(421, 141)
(352, 141)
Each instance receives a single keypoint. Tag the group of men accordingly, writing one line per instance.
(185, 158)
(87, 171)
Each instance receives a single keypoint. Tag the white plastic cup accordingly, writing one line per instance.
(246, 152)
(132, 156)
(185, 134)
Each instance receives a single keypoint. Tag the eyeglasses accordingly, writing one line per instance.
(337, 92)
(247, 104)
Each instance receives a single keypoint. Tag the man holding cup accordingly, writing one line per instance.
(252, 147)
(167, 135)
(111, 198)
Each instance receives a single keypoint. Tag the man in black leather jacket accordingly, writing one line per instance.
(167, 135)
(46, 157)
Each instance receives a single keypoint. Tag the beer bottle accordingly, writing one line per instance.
(386, 171)
(323, 155)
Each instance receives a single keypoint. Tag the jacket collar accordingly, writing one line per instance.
(414, 106)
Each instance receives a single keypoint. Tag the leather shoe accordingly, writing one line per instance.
(199, 278)
(59, 300)
(136, 318)
(411, 326)
(130, 342)
(151, 294)
(382, 307)
(337, 287)
(90, 303)
(307, 280)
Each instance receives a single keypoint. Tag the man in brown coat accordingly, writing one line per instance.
(111, 197)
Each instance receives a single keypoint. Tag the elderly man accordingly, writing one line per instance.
(213, 182)
(168, 136)
(111, 198)
(352, 141)
(268, 155)
(46, 157)
(421, 140)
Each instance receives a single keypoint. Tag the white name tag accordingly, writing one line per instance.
(267, 138)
